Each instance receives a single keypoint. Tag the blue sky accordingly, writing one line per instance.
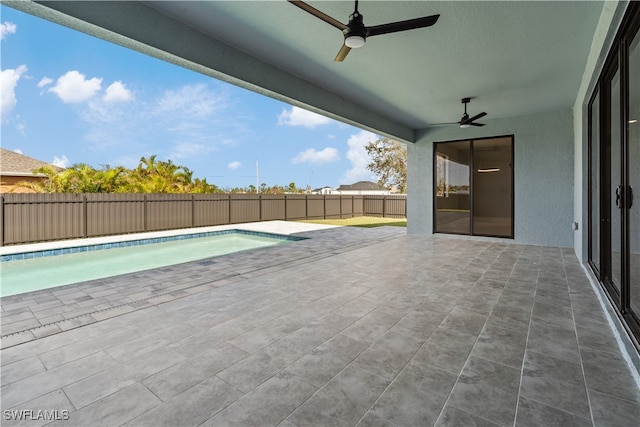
(68, 98)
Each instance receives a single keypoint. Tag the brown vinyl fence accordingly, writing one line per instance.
(29, 218)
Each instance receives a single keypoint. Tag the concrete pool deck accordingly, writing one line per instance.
(350, 327)
(36, 314)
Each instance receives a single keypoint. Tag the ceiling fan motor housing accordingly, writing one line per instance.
(356, 34)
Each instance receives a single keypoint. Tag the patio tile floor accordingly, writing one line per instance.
(351, 327)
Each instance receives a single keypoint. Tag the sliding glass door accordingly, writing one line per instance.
(633, 137)
(453, 181)
(474, 187)
(614, 174)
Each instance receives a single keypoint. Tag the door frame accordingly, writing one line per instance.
(471, 184)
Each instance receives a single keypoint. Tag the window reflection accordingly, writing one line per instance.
(452, 188)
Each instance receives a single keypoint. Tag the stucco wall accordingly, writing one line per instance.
(543, 175)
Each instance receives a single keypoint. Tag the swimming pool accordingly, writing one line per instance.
(32, 271)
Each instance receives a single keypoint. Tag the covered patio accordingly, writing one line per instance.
(379, 327)
(350, 327)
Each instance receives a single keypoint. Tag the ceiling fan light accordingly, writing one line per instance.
(354, 41)
(465, 125)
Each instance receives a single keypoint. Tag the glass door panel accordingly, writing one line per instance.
(616, 191)
(634, 174)
(594, 187)
(492, 187)
(453, 202)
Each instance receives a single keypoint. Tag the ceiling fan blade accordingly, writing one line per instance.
(409, 24)
(344, 51)
(476, 117)
(443, 124)
(475, 124)
(321, 15)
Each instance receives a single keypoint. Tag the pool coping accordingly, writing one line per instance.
(271, 227)
(35, 254)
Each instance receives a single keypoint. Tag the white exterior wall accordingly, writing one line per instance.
(543, 175)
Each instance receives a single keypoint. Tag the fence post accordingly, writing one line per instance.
(306, 206)
(85, 217)
(193, 210)
(384, 206)
(144, 212)
(229, 198)
(285, 207)
(353, 206)
(324, 206)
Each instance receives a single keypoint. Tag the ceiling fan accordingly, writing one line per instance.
(466, 121)
(356, 33)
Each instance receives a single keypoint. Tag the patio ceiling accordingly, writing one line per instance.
(514, 58)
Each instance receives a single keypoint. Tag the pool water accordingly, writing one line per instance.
(27, 275)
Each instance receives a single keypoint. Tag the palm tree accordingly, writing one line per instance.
(150, 176)
(52, 182)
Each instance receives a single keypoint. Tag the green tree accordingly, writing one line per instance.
(291, 188)
(51, 183)
(388, 162)
(150, 176)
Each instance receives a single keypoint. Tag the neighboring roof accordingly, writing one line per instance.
(12, 163)
(362, 185)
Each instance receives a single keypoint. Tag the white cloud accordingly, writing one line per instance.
(45, 81)
(181, 123)
(234, 165)
(117, 92)
(186, 150)
(7, 28)
(61, 162)
(8, 82)
(22, 128)
(300, 117)
(310, 155)
(190, 101)
(17, 150)
(359, 158)
(73, 87)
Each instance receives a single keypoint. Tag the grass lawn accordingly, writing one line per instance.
(361, 221)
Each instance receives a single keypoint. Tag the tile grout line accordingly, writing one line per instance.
(526, 343)
(472, 347)
(575, 329)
